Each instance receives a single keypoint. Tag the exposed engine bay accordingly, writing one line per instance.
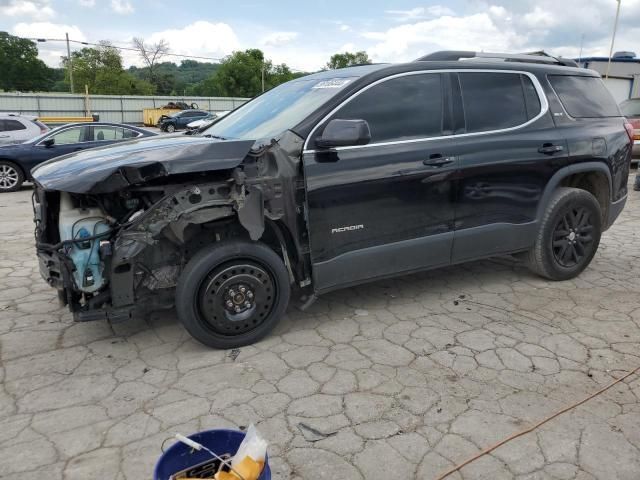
(121, 245)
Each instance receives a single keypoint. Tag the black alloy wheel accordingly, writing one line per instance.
(572, 237)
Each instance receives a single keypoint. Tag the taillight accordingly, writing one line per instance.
(629, 128)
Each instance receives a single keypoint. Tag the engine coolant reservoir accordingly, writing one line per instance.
(76, 224)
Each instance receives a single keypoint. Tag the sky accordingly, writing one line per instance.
(305, 34)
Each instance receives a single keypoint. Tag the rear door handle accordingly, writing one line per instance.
(437, 160)
(550, 149)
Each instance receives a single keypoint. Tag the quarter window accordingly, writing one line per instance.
(494, 101)
(402, 108)
(584, 97)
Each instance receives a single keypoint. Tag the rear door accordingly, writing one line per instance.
(508, 149)
(386, 207)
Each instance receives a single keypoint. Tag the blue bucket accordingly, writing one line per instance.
(180, 456)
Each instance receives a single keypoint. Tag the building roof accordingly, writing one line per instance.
(606, 59)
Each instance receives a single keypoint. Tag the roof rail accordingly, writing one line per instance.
(534, 57)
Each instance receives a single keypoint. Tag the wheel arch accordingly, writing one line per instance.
(593, 177)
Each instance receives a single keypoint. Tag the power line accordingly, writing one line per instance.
(92, 44)
(118, 47)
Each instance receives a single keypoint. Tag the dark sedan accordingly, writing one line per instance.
(16, 161)
(179, 120)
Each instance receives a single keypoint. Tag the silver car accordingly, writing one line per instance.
(15, 128)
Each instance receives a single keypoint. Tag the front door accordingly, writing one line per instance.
(386, 207)
(67, 140)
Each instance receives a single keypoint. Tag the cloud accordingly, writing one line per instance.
(409, 41)
(417, 13)
(50, 52)
(200, 38)
(277, 39)
(507, 25)
(35, 9)
(122, 7)
(87, 3)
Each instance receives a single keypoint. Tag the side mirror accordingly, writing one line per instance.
(344, 133)
(49, 142)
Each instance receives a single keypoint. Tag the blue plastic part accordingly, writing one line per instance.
(179, 456)
(86, 255)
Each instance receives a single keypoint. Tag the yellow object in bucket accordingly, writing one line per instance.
(247, 467)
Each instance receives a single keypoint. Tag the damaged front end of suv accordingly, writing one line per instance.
(115, 227)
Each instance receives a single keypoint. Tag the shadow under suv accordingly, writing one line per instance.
(336, 179)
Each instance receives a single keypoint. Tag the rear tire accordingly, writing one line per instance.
(568, 236)
(232, 293)
(11, 176)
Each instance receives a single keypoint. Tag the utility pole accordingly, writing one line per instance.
(70, 63)
(580, 54)
(613, 38)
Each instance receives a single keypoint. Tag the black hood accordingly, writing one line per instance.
(110, 168)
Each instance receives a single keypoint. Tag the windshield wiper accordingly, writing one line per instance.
(208, 135)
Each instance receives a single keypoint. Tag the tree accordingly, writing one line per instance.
(101, 70)
(241, 75)
(151, 54)
(21, 68)
(347, 59)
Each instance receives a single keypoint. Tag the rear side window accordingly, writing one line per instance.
(584, 97)
(11, 126)
(495, 101)
(402, 108)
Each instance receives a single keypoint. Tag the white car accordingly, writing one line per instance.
(15, 128)
(195, 125)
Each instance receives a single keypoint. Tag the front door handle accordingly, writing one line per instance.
(550, 149)
(437, 160)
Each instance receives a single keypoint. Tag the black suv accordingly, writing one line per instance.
(335, 179)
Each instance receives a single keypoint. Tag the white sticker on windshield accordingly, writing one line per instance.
(333, 83)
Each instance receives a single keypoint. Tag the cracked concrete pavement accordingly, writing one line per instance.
(396, 379)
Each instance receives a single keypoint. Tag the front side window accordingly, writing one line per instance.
(70, 135)
(495, 101)
(402, 108)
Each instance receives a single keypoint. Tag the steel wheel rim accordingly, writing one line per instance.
(236, 297)
(8, 177)
(573, 237)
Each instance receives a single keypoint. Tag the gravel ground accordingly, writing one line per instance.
(397, 379)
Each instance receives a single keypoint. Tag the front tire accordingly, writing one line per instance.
(170, 128)
(568, 236)
(232, 293)
(11, 176)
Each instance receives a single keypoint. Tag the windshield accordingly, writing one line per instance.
(630, 108)
(277, 110)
